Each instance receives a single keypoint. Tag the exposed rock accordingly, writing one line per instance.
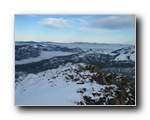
(93, 68)
(123, 95)
(81, 90)
(117, 102)
(104, 80)
(81, 82)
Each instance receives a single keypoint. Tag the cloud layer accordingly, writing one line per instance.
(92, 30)
(92, 24)
(55, 22)
(115, 22)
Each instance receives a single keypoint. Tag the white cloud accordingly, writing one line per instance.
(115, 22)
(55, 22)
(93, 30)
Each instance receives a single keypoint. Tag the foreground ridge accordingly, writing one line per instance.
(75, 84)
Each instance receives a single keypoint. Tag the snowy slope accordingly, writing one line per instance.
(121, 57)
(61, 86)
(127, 53)
(93, 52)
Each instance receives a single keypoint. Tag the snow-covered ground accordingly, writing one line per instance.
(43, 55)
(52, 87)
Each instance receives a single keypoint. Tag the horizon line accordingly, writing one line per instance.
(72, 42)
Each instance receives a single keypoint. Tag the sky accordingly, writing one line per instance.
(118, 29)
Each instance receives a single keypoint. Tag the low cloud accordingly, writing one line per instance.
(55, 22)
(115, 22)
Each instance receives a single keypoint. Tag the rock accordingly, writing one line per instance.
(81, 90)
(101, 101)
(116, 102)
(93, 68)
(104, 80)
(121, 96)
(80, 82)
(81, 103)
(76, 79)
(110, 78)
(96, 69)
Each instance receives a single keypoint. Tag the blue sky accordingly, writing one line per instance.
(118, 29)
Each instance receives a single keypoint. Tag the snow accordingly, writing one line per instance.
(132, 57)
(45, 89)
(90, 51)
(43, 55)
(121, 57)
(127, 53)
(42, 92)
(51, 87)
(127, 90)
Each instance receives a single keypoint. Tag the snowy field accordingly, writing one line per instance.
(51, 88)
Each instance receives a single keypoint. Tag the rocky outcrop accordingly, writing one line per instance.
(123, 95)
(99, 77)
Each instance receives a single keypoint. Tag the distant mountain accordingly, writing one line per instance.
(125, 54)
(103, 60)
(24, 50)
(83, 45)
(98, 43)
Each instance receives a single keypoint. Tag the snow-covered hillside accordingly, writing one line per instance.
(53, 87)
(72, 84)
(127, 53)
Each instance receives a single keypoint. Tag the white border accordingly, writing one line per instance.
(7, 10)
